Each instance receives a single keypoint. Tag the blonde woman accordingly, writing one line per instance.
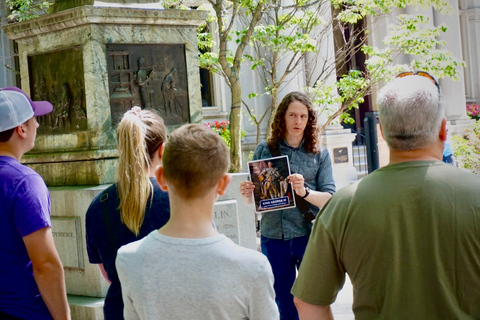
(130, 209)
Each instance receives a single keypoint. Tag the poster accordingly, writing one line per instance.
(272, 190)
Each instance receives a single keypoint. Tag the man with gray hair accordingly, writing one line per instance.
(408, 235)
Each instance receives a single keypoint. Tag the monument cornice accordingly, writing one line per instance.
(70, 156)
(87, 15)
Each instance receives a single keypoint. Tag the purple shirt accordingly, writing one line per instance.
(24, 209)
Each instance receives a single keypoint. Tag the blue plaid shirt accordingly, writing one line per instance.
(316, 168)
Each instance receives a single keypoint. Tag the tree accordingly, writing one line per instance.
(289, 37)
(228, 63)
(23, 10)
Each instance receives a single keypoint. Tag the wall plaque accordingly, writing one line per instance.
(67, 235)
(340, 155)
(152, 76)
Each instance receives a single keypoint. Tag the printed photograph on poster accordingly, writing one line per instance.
(272, 190)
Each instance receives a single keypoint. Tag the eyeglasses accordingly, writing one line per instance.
(421, 74)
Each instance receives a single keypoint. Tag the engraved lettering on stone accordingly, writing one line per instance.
(68, 240)
(225, 216)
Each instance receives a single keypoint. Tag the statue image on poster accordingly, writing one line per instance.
(272, 190)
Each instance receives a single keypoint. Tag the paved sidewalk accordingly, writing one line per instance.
(342, 308)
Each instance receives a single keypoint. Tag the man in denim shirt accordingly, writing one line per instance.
(285, 232)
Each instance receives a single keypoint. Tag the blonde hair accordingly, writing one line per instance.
(194, 160)
(139, 135)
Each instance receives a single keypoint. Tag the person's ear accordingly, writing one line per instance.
(443, 133)
(381, 130)
(160, 150)
(159, 174)
(223, 184)
(21, 130)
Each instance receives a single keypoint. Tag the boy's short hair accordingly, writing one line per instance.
(194, 160)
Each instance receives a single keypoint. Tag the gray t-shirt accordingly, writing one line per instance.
(211, 278)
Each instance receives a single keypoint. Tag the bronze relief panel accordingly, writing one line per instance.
(152, 76)
(58, 77)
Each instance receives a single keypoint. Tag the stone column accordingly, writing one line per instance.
(453, 92)
(473, 44)
(322, 64)
(7, 75)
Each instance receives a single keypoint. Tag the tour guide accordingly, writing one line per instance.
(285, 232)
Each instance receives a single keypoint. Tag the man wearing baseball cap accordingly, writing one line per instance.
(32, 283)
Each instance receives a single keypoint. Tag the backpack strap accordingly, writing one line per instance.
(107, 219)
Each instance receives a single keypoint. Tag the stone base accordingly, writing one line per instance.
(86, 308)
(69, 207)
(90, 167)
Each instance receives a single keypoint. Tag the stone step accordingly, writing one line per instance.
(85, 308)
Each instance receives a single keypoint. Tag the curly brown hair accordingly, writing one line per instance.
(311, 135)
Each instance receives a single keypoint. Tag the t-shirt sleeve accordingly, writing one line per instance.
(321, 275)
(122, 265)
(325, 181)
(31, 208)
(91, 228)
(262, 299)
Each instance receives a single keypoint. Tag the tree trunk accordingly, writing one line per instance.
(272, 115)
(236, 128)
(258, 133)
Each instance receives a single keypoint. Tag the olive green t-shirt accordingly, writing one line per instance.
(408, 235)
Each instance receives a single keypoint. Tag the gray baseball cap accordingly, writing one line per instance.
(16, 108)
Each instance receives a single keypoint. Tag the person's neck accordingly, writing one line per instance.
(190, 218)
(432, 153)
(8, 151)
(293, 141)
(153, 166)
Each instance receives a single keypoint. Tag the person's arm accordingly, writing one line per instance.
(316, 198)
(48, 272)
(307, 311)
(104, 273)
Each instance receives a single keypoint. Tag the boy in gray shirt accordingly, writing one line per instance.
(186, 269)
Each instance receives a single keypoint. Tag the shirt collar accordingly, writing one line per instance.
(284, 143)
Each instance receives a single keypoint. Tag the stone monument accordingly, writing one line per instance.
(94, 60)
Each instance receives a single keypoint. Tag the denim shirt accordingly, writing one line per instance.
(316, 168)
